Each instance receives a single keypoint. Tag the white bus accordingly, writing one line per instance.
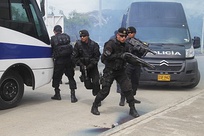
(25, 51)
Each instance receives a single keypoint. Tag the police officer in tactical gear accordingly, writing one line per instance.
(62, 51)
(132, 71)
(86, 54)
(115, 70)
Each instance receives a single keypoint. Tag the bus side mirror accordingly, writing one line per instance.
(196, 42)
(42, 7)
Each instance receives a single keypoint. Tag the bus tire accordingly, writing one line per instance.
(11, 90)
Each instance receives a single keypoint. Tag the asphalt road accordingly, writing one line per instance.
(38, 115)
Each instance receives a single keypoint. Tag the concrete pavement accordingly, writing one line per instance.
(38, 115)
(183, 118)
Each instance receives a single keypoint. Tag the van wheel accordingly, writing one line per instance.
(11, 90)
(197, 80)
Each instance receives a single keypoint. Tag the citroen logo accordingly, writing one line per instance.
(164, 62)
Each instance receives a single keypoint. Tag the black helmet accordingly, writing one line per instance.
(57, 28)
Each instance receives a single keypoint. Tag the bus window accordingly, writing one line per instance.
(18, 13)
(37, 24)
(23, 16)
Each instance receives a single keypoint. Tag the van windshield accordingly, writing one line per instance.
(159, 22)
(163, 35)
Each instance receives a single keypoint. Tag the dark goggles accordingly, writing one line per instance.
(83, 35)
(130, 32)
(123, 36)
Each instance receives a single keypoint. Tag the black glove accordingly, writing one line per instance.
(86, 60)
(81, 65)
(126, 56)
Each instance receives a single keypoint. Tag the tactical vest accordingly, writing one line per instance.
(115, 64)
(62, 47)
(86, 53)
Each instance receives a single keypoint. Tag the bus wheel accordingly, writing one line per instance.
(11, 90)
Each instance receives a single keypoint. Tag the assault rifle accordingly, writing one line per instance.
(140, 46)
(84, 78)
(134, 60)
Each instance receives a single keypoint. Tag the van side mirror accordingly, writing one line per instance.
(124, 21)
(196, 42)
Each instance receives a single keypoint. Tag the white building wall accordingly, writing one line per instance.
(51, 21)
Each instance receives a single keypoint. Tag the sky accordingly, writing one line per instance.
(68, 6)
(192, 8)
(195, 7)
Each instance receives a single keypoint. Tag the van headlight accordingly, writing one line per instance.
(190, 52)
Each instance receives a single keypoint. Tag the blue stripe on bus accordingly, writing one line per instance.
(17, 51)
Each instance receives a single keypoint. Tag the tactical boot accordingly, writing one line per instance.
(134, 93)
(122, 100)
(73, 97)
(133, 111)
(94, 109)
(137, 101)
(57, 95)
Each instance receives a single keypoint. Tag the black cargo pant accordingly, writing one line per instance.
(133, 73)
(61, 67)
(120, 76)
